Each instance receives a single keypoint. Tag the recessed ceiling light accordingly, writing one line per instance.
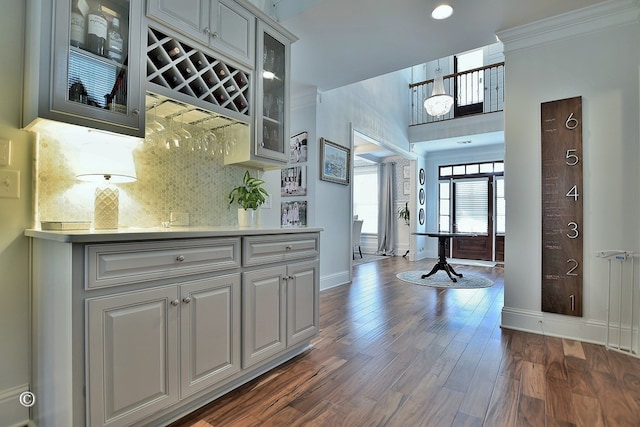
(442, 12)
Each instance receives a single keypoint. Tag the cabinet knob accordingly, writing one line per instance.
(186, 300)
(285, 278)
(215, 35)
(175, 302)
(262, 144)
(180, 258)
(291, 277)
(288, 247)
(135, 112)
(206, 30)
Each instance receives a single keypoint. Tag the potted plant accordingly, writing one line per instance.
(249, 196)
(404, 213)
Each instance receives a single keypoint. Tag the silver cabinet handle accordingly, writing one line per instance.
(186, 300)
(135, 112)
(291, 277)
(288, 247)
(180, 258)
(215, 35)
(175, 302)
(285, 278)
(206, 30)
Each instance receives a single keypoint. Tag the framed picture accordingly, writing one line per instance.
(406, 172)
(406, 187)
(335, 162)
(293, 214)
(298, 148)
(293, 181)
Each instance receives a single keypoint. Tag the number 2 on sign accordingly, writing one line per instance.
(573, 193)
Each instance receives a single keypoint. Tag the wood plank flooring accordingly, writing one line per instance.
(391, 353)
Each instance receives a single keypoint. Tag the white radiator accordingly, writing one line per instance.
(623, 321)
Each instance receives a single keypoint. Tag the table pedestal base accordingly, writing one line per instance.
(442, 261)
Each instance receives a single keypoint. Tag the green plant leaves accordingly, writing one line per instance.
(249, 195)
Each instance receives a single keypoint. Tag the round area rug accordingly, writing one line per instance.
(441, 280)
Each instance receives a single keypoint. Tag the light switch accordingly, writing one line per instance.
(10, 184)
(5, 152)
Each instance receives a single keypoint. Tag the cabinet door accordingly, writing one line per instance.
(187, 17)
(303, 286)
(272, 109)
(233, 30)
(264, 314)
(89, 86)
(209, 332)
(132, 355)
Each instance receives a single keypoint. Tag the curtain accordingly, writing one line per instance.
(387, 215)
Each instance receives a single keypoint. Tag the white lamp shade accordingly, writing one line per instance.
(439, 103)
(98, 161)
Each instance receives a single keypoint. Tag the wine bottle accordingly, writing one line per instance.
(78, 27)
(115, 42)
(97, 31)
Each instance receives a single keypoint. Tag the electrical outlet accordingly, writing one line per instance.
(10, 184)
(179, 218)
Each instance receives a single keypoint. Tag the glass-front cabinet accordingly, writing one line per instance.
(88, 64)
(272, 113)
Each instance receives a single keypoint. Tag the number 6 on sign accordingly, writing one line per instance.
(571, 123)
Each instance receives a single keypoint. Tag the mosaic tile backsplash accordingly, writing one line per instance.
(168, 180)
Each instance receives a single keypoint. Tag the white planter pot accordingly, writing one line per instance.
(247, 218)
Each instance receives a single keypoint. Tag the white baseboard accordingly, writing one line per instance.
(333, 280)
(13, 413)
(554, 325)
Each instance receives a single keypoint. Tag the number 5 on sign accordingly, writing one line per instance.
(573, 193)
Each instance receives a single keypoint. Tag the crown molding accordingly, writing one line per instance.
(609, 14)
(304, 96)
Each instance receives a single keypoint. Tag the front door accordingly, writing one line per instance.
(473, 213)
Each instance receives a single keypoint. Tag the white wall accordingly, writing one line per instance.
(601, 65)
(377, 108)
(15, 216)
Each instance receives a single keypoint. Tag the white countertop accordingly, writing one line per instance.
(157, 233)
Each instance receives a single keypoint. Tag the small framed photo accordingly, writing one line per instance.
(298, 148)
(335, 162)
(293, 214)
(406, 172)
(407, 187)
(293, 181)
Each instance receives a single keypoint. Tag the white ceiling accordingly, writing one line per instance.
(346, 41)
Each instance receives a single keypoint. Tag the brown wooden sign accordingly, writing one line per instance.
(562, 193)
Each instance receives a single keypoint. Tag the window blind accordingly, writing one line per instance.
(472, 206)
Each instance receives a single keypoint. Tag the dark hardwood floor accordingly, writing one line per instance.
(391, 353)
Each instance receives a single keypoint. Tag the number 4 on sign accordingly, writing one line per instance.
(573, 193)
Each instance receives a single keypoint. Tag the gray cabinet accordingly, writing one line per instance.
(140, 332)
(280, 302)
(76, 82)
(223, 25)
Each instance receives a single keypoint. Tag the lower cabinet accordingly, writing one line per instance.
(148, 349)
(280, 309)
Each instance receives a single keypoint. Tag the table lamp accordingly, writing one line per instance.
(106, 164)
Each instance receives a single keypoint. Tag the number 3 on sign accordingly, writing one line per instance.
(573, 193)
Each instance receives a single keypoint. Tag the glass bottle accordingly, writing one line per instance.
(78, 26)
(115, 42)
(97, 31)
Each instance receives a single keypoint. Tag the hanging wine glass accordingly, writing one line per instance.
(183, 134)
(171, 138)
(153, 127)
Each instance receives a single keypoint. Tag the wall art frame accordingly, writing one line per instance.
(335, 162)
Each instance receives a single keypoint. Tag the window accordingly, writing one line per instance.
(500, 205)
(444, 214)
(365, 197)
(470, 86)
(472, 205)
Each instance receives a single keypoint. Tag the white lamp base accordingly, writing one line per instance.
(106, 208)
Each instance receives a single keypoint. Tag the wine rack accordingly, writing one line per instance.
(180, 67)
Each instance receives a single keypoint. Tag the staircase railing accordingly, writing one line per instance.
(477, 91)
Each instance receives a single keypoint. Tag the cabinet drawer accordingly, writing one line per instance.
(259, 250)
(126, 263)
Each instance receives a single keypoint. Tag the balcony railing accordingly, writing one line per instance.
(477, 91)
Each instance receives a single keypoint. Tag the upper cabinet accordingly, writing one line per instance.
(83, 64)
(223, 25)
(270, 146)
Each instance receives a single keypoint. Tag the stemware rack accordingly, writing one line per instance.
(176, 65)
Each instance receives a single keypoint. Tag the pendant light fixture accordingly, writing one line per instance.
(439, 103)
